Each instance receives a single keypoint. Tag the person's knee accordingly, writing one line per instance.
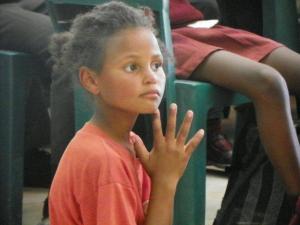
(270, 84)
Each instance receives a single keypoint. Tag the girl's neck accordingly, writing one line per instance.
(117, 126)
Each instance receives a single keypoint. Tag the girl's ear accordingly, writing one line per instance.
(88, 79)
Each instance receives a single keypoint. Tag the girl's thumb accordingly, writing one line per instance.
(140, 149)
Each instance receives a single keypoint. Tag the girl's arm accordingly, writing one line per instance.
(166, 163)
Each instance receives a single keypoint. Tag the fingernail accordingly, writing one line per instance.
(173, 106)
(132, 139)
(190, 113)
(201, 132)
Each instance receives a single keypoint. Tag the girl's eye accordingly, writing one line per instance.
(131, 68)
(156, 65)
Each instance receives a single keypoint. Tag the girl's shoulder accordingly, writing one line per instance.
(91, 142)
(87, 138)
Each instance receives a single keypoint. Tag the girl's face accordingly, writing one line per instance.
(132, 78)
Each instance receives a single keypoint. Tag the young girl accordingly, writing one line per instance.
(257, 67)
(99, 179)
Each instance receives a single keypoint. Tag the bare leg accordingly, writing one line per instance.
(268, 91)
(287, 62)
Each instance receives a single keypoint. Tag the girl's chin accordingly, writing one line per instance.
(149, 111)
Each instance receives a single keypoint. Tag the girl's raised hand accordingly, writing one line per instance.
(170, 154)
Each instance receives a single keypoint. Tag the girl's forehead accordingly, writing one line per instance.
(133, 39)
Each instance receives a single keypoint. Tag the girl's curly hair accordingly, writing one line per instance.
(86, 42)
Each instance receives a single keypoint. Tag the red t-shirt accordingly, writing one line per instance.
(98, 182)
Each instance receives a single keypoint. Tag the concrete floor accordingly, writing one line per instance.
(215, 187)
(216, 183)
(33, 204)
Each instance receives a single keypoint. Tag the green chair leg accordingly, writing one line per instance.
(15, 68)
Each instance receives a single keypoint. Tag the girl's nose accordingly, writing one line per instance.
(150, 76)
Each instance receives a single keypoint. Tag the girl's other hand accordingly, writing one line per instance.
(169, 157)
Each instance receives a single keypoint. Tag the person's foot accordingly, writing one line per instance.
(219, 149)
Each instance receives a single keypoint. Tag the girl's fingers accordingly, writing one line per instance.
(140, 149)
(171, 124)
(185, 128)
(157, 130)
(194, 141)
